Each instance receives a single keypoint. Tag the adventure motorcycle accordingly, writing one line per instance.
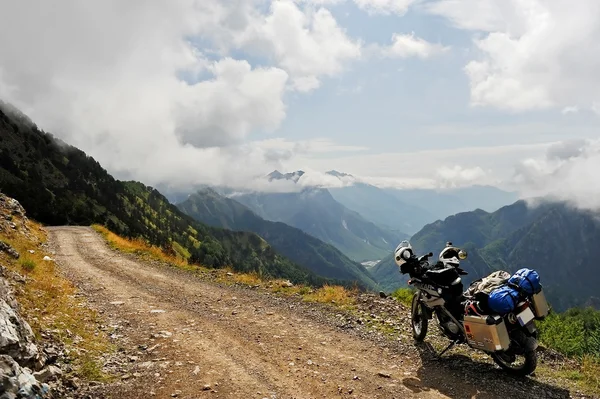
(464, 317)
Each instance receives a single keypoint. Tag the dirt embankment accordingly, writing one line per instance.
(186, 338)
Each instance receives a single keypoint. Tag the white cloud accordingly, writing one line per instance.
(457, 175)
(569, 110)
(107, 77)
(426, 168)
(534, 54)
(308, 43)
(385, 7)
(568, 172)
(226, 108)
(407, 45)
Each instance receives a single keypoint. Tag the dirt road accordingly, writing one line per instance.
(198, 340)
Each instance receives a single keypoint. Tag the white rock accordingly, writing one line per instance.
(50, 373)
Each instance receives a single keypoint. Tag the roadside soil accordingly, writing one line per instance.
(180, 336)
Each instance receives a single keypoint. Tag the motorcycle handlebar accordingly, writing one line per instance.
(425, 257)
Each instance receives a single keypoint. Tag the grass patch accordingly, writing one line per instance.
(332, 294)
(251, 279)
(590, 369)
(140, 247)
(48, 302)
(404, 295)
(27, 265)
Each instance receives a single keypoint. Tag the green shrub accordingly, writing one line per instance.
(575, 332)
(404, 295)
(28, 265)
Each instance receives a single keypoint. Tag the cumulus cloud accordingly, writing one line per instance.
(533, 54)
(457, 176)
(150, 89)
(568, 172)
(307, 43)
(408, 45)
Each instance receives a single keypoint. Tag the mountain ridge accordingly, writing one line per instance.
(209, 207)
(557, 240)
(60, 184)
(316, 212)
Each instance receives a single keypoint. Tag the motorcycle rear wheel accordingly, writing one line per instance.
(528, 366)
(419, 320)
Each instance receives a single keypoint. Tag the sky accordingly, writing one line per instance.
(402, 93)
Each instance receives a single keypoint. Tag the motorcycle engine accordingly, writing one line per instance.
(449, 328)
(452, 327)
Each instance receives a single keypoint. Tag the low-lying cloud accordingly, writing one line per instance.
(568, 172)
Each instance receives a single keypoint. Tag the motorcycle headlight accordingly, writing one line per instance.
(462, 254)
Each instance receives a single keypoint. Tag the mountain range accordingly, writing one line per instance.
(59, 184)
(209, 207)
(315, 211)
(314, 235)
(557, 240)
(408, 210)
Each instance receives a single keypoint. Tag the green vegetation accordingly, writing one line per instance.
(575, 332)
(317, 213)
(404, 295)
(27, 264)
(207, 206)
(556, 240)
(59, 184)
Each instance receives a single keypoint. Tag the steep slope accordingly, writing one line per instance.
(59, 184)
(207, 206)
(558, 241)
(387, 274)
(316, 212)
(382, 207)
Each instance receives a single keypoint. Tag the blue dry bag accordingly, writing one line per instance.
(503, 300)
(527, 280)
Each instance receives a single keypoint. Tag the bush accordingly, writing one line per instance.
(404, 295)
(575, 332)
(28, 265)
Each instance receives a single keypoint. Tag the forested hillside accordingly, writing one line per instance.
(553, 238)
(59, 184)
(316, 212)
(207, 206)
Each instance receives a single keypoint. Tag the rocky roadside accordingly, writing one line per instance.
(30, 367)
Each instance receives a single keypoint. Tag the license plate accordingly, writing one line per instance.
(525, 316)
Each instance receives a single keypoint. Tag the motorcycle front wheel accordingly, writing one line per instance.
(509, 362)
(419, 321)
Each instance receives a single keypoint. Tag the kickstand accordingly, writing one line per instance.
(447, 348)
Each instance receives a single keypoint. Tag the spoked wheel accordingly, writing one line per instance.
(419, 321)
(520, 365)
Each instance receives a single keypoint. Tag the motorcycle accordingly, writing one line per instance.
(461, 318)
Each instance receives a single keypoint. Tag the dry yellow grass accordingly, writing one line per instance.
(48, 302)
(140, 247)
(332, 294)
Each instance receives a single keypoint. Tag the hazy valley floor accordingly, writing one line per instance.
(191, 339)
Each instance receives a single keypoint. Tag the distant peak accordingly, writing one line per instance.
(338, 174)
(277, 175)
